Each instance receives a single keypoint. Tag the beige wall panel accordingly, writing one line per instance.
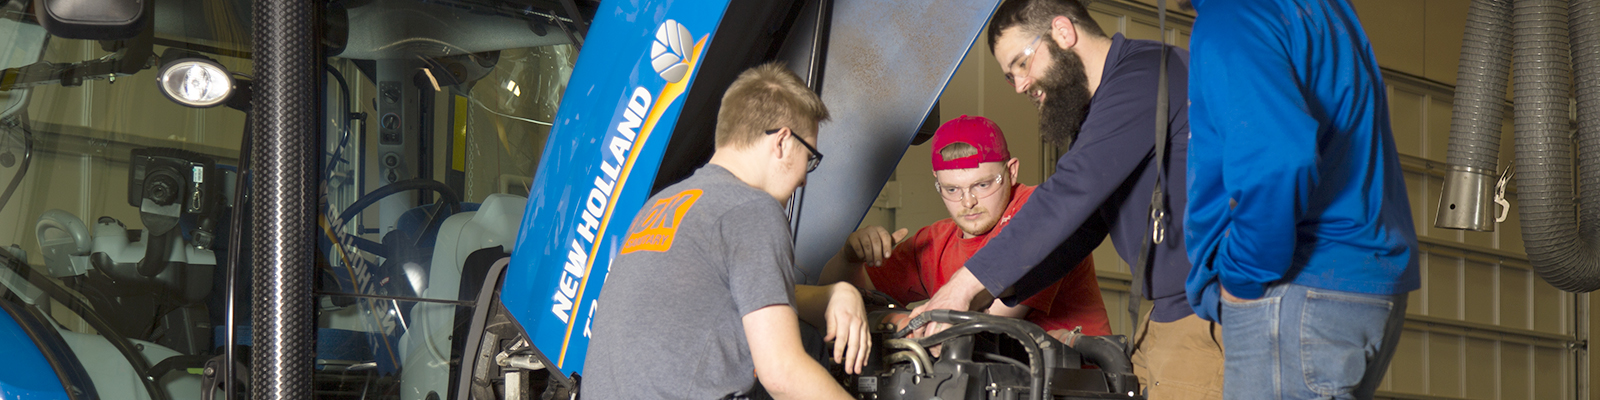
(1477, 239)
(920, 206)
(135, 105)
(1478, 292)
(1414, 300)
(1445, 20)
(1108, 22)
(1516, 366)
(1419, 197)
(58, 105)
(1480, 369)
(1114, 308)
(1550, 369)
(967, 83)
(1395, 28)
(1407, 112)
(1407, 372)
(1516, 302)
(1550, 308)
(1443, 282)
(1437, 143)
(1137, 29)
(41, 192)
(1444, 365)
(1106, 259)
(225, 128)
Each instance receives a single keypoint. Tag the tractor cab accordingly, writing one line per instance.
(125, 212)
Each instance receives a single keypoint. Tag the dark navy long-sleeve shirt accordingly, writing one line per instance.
(1294, 174)
(1102, 186)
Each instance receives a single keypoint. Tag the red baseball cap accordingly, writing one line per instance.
(979, 132)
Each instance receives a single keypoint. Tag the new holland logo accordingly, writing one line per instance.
(670, 48)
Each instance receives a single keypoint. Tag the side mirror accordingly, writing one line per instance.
(93, 19)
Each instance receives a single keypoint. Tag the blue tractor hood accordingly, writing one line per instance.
(640, 110)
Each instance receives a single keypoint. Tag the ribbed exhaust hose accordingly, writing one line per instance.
(284, 162)
(1479, 108)
(1558, 251)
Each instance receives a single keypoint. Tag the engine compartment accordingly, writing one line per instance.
(987, 357)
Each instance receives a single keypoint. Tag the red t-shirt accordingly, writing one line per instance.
(920, 266)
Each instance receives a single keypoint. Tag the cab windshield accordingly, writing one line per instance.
(123, 164)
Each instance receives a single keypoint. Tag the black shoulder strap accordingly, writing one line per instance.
(1158, 197)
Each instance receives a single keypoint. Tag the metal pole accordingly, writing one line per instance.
(284, 158)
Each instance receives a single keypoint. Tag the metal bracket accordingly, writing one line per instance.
(1500, 192)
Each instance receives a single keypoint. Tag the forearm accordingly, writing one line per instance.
(1000, 309)
(841, 269)
(802, 380)
(812, 302)
(782, 365)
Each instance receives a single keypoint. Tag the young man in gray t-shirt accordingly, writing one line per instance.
(701, 301)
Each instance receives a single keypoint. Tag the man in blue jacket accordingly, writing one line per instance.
(1298, 222)
(1097, 98)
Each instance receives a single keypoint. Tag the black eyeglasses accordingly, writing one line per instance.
(816, 156)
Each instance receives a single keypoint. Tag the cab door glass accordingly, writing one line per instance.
(123, 162)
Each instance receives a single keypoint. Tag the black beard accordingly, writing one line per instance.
(1066, 100)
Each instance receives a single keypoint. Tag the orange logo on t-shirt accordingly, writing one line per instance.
(656, 230)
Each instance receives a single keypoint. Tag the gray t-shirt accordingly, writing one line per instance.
(699, 256)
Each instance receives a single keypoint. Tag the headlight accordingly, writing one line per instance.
(195, 82)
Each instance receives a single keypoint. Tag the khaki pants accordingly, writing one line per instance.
(1179, 359)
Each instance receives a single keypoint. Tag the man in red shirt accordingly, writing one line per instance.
(976, 178)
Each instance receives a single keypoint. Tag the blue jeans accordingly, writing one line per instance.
(1298, 342)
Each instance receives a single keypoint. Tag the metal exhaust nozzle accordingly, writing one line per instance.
(1467, 200)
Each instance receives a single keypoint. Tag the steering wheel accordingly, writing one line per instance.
(449, 197)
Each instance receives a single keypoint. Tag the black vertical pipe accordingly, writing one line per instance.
(236, 226)
(819, 57)
(284, 159)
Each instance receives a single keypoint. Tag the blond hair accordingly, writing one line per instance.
(766, 97)
(956, 151)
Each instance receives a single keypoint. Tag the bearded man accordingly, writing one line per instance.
(1097, 97)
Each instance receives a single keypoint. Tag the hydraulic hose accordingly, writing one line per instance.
(1109, 354)
(970, 323)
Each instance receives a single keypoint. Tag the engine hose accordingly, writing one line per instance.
(908, 357)
(913, 325)
(1557, 233)
(1032, 332)
(1036, 356)
(1106, 352)
(912, 346)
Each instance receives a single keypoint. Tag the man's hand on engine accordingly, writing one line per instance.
(847, 327)
(964, 292)
(870, 245)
